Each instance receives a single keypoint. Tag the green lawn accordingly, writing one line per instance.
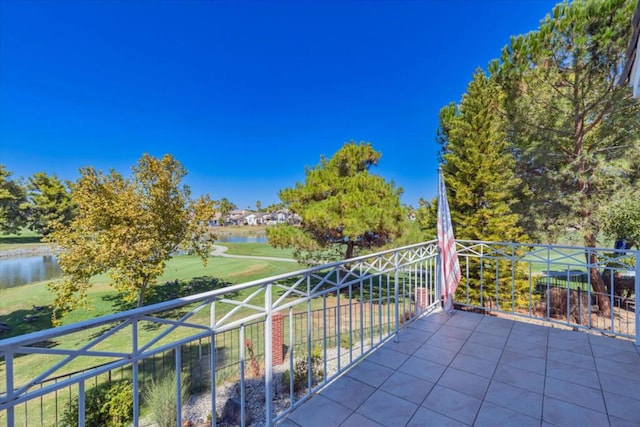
(17, 303)
(25, 239)
(257, 249)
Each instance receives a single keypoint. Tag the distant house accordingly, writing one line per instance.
(217, 220)
(254, 219)
(632, 69)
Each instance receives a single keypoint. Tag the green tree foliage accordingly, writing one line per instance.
(622, 219)
(575, 128)
(343, 207)
(12, 195)
(479, 171)
(478, 167)
(107, 404)
(224, 206)
(48, 203)
(128, 228)
(427, 217)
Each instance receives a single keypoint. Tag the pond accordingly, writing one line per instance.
(25, 270)
(242, 239)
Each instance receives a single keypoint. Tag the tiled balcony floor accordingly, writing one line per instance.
(467, 369)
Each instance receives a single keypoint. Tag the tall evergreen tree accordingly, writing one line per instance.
(12, 195)
(479, 171)
(48, 203)
(478, 167)
(576, 130)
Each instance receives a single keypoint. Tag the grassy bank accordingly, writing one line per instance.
(17, 304)
(256, 249)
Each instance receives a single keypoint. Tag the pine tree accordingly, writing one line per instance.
(48, 203)
(478, 168)
(344, 207)
(12, 195)
(575, 128)
(479, 171)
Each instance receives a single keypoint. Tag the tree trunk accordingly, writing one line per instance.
(141, 294)
(604, 303)
(349, 253)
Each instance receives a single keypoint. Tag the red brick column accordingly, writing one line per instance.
(277, 339)
(422, 299)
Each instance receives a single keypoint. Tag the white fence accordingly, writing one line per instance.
(375, 295)
(267, 345)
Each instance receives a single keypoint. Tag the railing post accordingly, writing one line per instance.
(134, 372)
(178, 367)
(81, 405)
(8, 358)
(268, 368)
(396, 292)
(637, 298)
(212, 361)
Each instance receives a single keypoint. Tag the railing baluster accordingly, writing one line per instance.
(268, 339)
(637, 300)
(242, 345)
(81, 405)
(178, 376)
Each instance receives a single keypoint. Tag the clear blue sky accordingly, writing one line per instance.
(244, 94)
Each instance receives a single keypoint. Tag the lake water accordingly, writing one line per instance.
(25, 270)
(242, 239)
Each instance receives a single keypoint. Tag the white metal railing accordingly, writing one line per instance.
(312, 324)
(372, 295)
(553, 283)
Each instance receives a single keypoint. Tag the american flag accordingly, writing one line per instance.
(447, 245)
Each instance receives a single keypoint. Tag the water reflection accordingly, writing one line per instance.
(242, 239)
(24, 270)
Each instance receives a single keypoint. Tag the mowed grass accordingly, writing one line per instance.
(26, 239)
(256, 249)
(18, 303)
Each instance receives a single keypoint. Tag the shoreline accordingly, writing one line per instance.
(39, 249)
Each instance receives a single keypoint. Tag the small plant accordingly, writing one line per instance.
(301, 371)
(108, 404)
(344, 341)
(253, 362)
(160, 398)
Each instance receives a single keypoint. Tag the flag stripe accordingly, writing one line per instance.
(447, 244)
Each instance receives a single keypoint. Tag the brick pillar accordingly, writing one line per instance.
(422, 299)
(277, 337)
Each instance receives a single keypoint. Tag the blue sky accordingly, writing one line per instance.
(244, 94)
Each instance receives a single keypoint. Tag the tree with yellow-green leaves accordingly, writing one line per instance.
(128, 228)
(344, 207)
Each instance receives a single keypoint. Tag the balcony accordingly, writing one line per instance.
(361, 342)
(467, 369)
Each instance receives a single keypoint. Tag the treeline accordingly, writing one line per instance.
(39, 203)
(547, 140)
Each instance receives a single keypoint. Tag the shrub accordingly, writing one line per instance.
(108, 404)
